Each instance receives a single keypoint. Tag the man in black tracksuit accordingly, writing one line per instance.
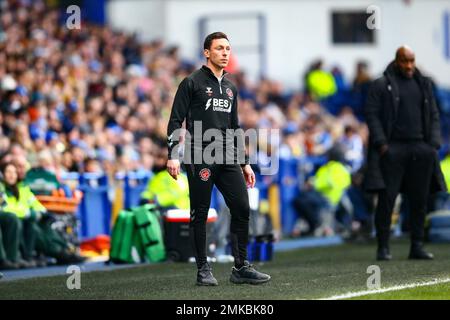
(404, 131)
(214, 154)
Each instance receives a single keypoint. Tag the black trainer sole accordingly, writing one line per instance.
(420, 258)
(384, 258)
(202, 284)
(236, 280)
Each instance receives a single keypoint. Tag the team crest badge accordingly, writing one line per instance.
(205, 173)
(230, 93)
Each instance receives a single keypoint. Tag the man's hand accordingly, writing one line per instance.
(173, 167)
(249, 176)
(383, 149)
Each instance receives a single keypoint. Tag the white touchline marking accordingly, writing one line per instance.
(394, 288)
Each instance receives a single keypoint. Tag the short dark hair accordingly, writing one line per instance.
(210, 37)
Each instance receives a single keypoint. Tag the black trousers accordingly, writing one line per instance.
(230, 181)
(28, 237)
(9, 236)
(409, 165)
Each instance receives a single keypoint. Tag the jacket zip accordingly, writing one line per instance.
(218, 79)
(220, 84)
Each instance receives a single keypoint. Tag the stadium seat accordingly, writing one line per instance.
(134, 184)
(288, 182)
(95, 208)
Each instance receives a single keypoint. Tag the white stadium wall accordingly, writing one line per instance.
(296, 32)
(147, 17)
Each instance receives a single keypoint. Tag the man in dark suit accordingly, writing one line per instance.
(405, 134)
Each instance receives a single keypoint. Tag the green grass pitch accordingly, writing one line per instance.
(301, 274)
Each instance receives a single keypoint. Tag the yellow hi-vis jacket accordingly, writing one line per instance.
(445, 167)
(168, 192)
(331, 180)
(321, 84)
(23, 206)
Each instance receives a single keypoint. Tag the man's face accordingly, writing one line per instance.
(406, 63)
(219, 53)
(21, 166)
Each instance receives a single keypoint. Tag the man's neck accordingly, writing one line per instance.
(218, 72)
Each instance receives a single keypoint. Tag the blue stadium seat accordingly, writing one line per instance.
(135, 183)
(95, 208)
(288, 181)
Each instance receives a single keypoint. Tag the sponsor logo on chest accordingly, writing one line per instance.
(218, 104)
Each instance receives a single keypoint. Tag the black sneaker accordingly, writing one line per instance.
(248, 274)
(417, 252)
(383, 254)
(205, 276)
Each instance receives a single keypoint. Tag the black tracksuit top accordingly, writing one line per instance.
(203, 97)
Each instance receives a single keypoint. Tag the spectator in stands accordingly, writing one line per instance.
(67, 163)
(22, 165)
(42, 178)
(443, 198)
(353, 148)
(356, 209)
(320, 83)
(92, 165)
(360, 88)
(292, 145)
(163, 190)
(19, 200)
(318, 139)
(332, 180)
(339, 79)
(38, 240)
(9, 238)
(445, 166)
(309, 205)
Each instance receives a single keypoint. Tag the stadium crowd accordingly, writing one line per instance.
(98, 100)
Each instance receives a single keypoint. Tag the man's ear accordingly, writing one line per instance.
(206, 53)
